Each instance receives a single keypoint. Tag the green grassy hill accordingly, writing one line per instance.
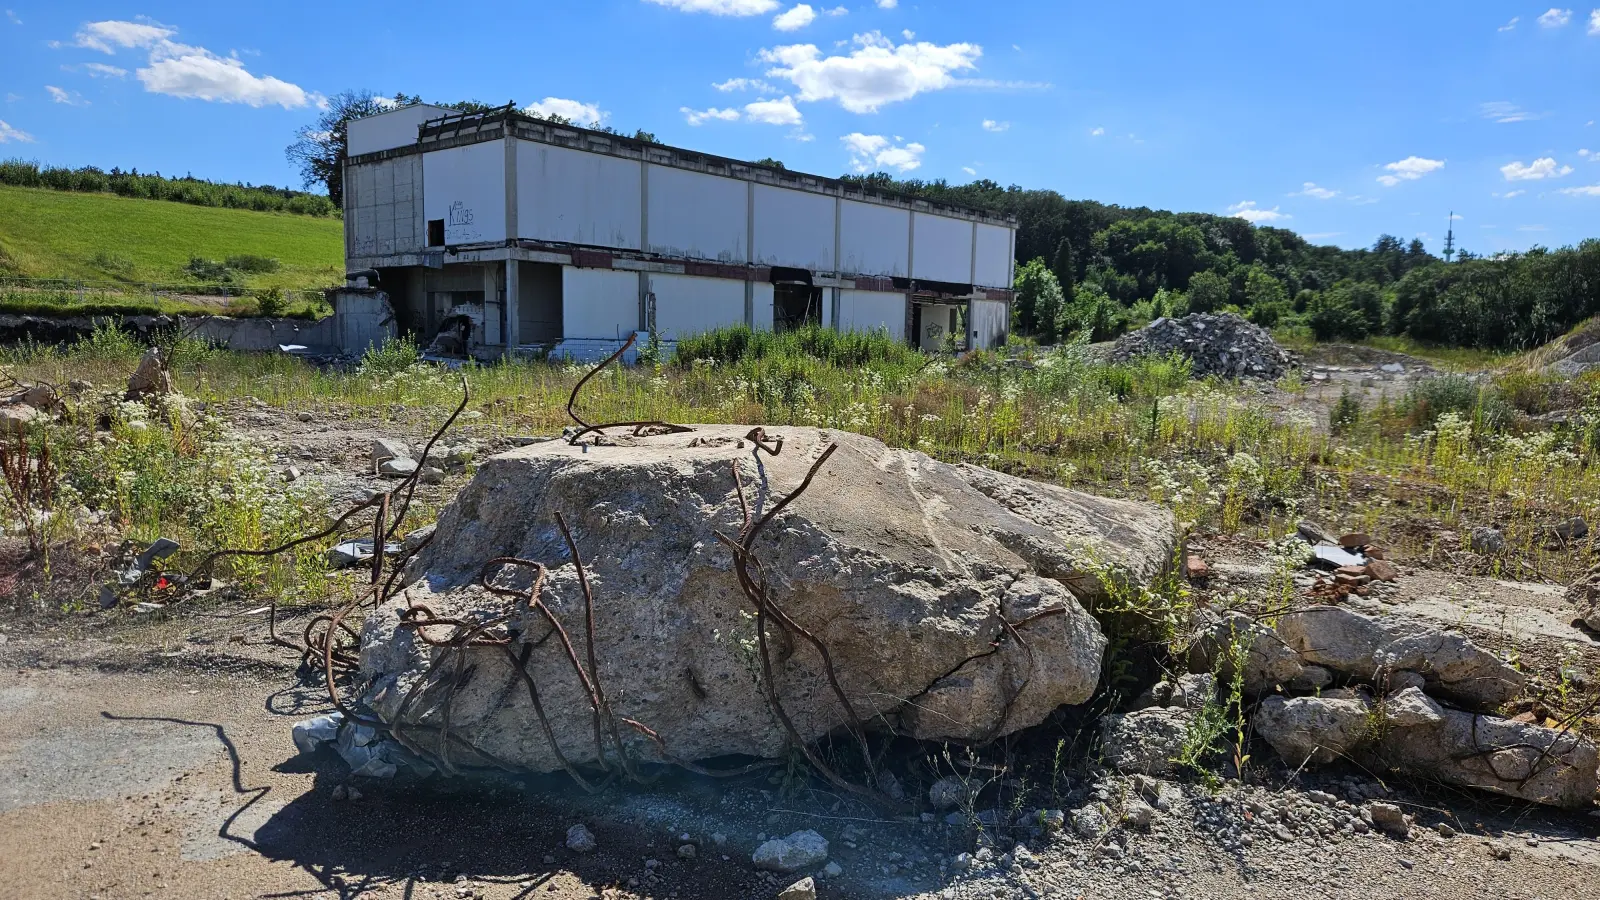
(103, 237)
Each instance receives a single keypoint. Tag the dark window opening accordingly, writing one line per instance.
(435, 232)
(794, 306)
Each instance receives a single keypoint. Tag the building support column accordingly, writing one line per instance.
(513, 305)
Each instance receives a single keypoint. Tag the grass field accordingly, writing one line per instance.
(103, 237)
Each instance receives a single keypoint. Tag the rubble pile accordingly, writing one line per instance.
(1386, 693)
(947, 598)
(1223, 345)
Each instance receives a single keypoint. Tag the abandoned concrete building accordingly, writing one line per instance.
(538, 236)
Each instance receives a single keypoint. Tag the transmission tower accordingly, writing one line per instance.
(1450, 237)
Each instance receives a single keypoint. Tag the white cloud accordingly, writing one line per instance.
(874, 151)
(774, 112)
(970, 171)
(101, 70)
(1096, 131)
(1588, 190)
(721, 7)
(795, 19)
(908, 34)
(8, 134)
(1503, 112)
(888, 4)
(1594, 22)
(574, 111)
(875, 73)
(1531, 228)
(12, 16)
(109, 35)
(698, 117)
(996, 127)
(745, 84)
(1511, 24)
(180, 70)
(12, 97)
(836, 11)
(1310, 189)
(1545, 167)
(1555, 17)
(1509, 194)
(1409, 169)
(70, 98)
(1247, 210)
(1590, 155)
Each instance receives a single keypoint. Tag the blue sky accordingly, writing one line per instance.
(1340, 121)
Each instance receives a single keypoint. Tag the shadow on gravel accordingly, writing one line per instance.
(424, 834)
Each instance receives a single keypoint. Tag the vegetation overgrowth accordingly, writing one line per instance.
(1449, 453)
(106, 238)
(1088, 266)
(155, 186)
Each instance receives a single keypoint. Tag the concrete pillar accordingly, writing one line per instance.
(513, 304)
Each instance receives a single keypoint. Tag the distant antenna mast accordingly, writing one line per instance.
(1450, 238)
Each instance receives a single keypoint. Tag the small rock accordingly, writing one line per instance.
(804, 889)
(1390, 818)
(1355, 540)
(397, 468)
(1499, 851)
(1485, 540)
(687, 851)
(1381, 570)
(1312, 533)
(800, 850)
(1145, 741)
(580, 839)
(1195, 568)
(1088, 821)
(832, 870)
(1138, 814)
(430, 475)
(306, 417)
(947, 792)
(1444, 830)
(389, 448)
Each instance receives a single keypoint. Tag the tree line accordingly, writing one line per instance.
(155, 186)
(1105, 269)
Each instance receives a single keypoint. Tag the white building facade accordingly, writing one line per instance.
(562, 239)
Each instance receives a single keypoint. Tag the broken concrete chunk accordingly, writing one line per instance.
(1529, 762)
(1335, 637)
(804, 889)
(908, 569)
(1269, 662)
(1310, 679)
(1314, 730)
(1411, 708)
(1455, 668)
(1146, 741)
(1330, 557)
(18, 419)
(580, 839)
(150, 379)
(1485, 540)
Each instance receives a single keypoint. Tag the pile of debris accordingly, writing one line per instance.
(1223, 345)
(1386, 693)
(946, 601)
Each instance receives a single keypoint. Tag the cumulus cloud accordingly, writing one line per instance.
(875, 73)
(996, 127)
(1409, 169)
(701, 116)
(9, 134)
(795, 19)
(574, 111)
(888, 4)
(101, 70)
(874, 151)
(1310, 189)
(1590, 155)
(1097, 131)
(774, 112)
(1555, 17)
(1503, 112)
(1539, 169)
(970, 171)
(181, 70)
(1511, 24)
(1594, 22)
(721, 7)
(1250, 212)
(1588, 190)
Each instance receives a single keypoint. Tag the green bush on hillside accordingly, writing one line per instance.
(194, 191)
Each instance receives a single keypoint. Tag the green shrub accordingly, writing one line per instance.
(740, 343)
(251, 264)
(270, 302)
(1346, 413)
(201, 269)
(1483, 405)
